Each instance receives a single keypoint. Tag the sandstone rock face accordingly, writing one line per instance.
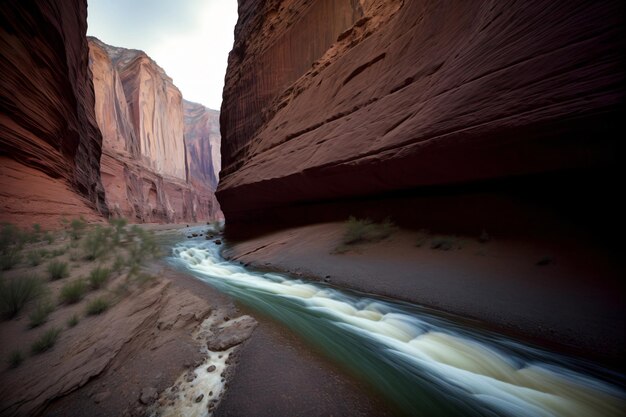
(49, 141)
(144, 162)
(333, 99)
(149, 320)
(203, 140)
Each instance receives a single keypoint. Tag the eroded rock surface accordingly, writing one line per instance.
(48, 131)
(331, 99)
(203, 140)
(149, 320)
(147, 169)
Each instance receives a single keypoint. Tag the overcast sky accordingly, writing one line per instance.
(189, 39)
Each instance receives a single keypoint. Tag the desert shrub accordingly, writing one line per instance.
(442, 243)
(364, 230)
(16, 292)
(34, 258)
(77, 227)
(119, 263)
(118, 229)
(73, 292)
(74, 256)
(15, 358)
(97, 306)
(58, 270)
(40, 314)
(73, 321)
(96, 243)
(142, 247)
(98, 277)
(9, 258)
(9, 235)
(46, 341)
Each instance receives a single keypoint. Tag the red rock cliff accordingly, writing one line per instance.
(144, 162)
(203, 140)
(49, 141)
(331, 99)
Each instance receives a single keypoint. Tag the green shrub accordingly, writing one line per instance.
(119, 263)
(364, 230)
(98, 277)
(118, 229)
(9, 258)
(46, 341)
(77, 226)
(97, 306)
(142, 247)
(16, 292)
(40, 314)
(9, 235)
(73, 292)
(34, 258)
(73, 321)
(58, 270)
(96, 243)
(15, 358)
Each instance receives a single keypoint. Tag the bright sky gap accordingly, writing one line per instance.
(189, 39)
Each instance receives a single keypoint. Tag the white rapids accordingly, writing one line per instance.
(479, 372)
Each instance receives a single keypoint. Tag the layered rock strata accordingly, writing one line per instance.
(332, 99)
(203, 140)
(50, 144)
(145, 162)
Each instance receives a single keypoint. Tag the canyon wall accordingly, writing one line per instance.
(203, 140)
(326, 100)
(145, 168)
(49, 141)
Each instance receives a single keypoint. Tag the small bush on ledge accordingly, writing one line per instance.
(46, 341)
(97, 306)
(58, 270)
(364, 231)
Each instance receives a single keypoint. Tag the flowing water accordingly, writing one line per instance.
(424, 363)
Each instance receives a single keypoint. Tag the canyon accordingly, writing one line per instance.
(472, 146)
(160, 158)
(96, 131)
(393, 96)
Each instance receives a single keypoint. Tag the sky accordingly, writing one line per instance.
(189, 39)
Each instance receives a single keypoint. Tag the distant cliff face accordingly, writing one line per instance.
(144, 163)
(49, 141)
(202, 138)
(332, 99)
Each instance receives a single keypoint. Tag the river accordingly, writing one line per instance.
(425, 363)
